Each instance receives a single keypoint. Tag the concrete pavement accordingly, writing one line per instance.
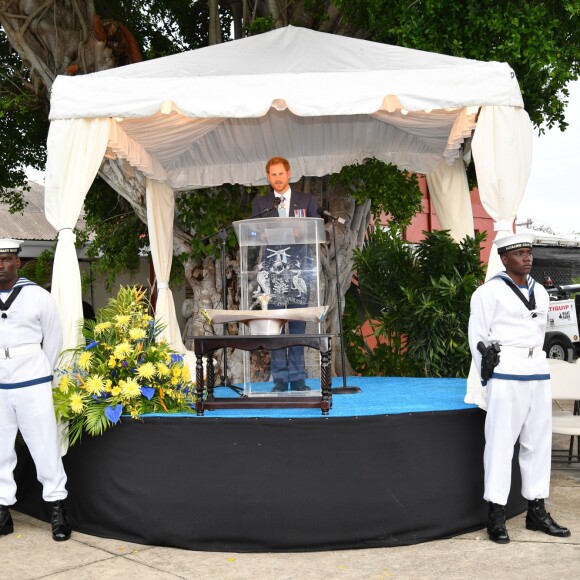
(30, 553)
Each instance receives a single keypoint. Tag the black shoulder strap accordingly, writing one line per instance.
(529, 304)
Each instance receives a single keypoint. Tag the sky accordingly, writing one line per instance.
(552, 196)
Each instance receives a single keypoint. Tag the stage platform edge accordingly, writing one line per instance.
(277, 484)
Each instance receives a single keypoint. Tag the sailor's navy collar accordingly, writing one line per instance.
(19, 283)
(504, 275)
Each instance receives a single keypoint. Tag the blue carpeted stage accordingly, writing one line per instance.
(379, 396)
(399, 463)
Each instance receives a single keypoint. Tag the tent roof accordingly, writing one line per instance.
(214, 115)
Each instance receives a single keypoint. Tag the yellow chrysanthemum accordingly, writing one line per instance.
(134, 413)
(64, 385)
(177, 372)
(146, 370)
(115, 391)
(94, 384)
(185, 373)
(76, 403)
(130, 388)
(108, 384)
(101, 327)
(162, 370)
(174, 381)
(112, 362)
(137, 333)
(122, 350)
(85, 360)
(122, 320)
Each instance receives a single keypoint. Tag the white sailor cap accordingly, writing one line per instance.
(514, 242)
(10, 246)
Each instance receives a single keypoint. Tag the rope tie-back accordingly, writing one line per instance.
(162, 285)
(503, 226)
(66, 234)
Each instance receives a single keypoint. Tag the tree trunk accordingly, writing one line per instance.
(349, 236)
(215, 36)
(205, 279)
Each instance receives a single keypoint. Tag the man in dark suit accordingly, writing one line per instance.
(295, 203)
(288, 289)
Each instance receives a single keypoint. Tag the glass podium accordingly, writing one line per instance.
(280, 289)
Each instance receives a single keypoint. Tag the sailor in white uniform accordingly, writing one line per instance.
(511, 310)
(30, 343)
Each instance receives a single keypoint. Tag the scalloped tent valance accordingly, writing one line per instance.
(213, 115)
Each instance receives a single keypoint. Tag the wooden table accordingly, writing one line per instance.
(207, 345)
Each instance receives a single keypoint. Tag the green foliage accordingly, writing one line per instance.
(391, 191)
(259, 25)
(538, 39)
(315, 12)
(39, 270)
(382, 359)
(119, 237)
(23, 126)
(207, 211)
(417, 299)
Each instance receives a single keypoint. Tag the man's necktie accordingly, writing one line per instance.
(282, 207)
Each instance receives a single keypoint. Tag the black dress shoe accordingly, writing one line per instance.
(59, 521)
(299, 385)
(496, 529)
(538, 519)
(280, 386)
(6, 525)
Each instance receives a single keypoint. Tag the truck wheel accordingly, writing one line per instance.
(558, 349)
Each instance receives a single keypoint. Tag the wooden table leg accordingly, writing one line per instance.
(210, 376)
(199, 384)
(326, 381)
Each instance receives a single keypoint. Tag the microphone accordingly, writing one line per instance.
(324, 212)
(268, 209)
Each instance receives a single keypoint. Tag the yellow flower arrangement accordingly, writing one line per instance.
(122, 370)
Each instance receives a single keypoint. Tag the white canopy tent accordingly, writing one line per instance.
(215, 115)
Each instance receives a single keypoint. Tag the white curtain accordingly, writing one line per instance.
(75, 150)
(160, 212)
(502, 151)
(450, 193)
